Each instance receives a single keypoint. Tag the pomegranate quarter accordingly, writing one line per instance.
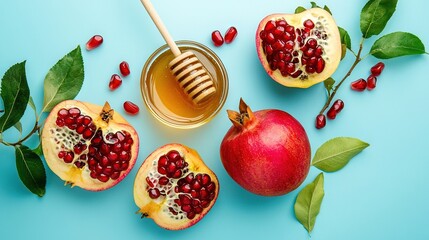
(89, 146)
(266, 152)
(174, 187)
(299, 50)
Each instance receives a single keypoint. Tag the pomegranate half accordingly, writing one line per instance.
(174, 187)
(89, 146)
(267, 152)
(299, 50)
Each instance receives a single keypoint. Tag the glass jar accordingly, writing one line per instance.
(166, 100)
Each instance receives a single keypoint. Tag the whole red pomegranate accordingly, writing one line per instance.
(88, 145)
(266, 152)
(174, 187)
(299, 50)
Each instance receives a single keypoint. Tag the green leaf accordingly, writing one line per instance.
(375, 15)
(345, 38)
(329, 84)
(30, 170)
(314, 5)
(38, 150)
(397, 44)
(64, 80)
(327, 9)
(18, 127)
(308, 203)
(15, 94)
(32, 105)
(336, 153)
(300, 9)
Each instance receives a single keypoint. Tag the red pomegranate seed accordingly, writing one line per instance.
(230, 34)
(377, 69)
(115, 82)
(309, 24)
(94, 42)
(124, 68)
(335, 109)
(163, 181)
(358, 85)
(371, 82)
(217, 38)
(131, 108)
(320, 121)
(154, 193)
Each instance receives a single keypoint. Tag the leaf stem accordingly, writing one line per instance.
(335, 88)
(18, 143)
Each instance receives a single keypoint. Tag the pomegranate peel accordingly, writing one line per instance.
(89, 146)
(266, 152)
(299, 50)
(173, 201)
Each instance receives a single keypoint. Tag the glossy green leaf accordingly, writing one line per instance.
(314, 5)
(337, 152)
(30, 170)
(64, 80)
(397, 44)
(308, 203)
(345, 38)
(15, 94)
(18, 127)
(300, 9)
(32, 105)
(375, 15)
(38, 150)
(327, 9)
(329, 84)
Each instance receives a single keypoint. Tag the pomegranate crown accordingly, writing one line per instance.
(240, 119)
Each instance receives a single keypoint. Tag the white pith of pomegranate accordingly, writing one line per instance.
(299, 50)
(174, 187)
(266, 152)
(89, 146)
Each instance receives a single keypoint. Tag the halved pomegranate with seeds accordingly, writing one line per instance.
(88, 145)
(174, 187)
(299, 50)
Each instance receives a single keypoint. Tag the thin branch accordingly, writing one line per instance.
(335, 89)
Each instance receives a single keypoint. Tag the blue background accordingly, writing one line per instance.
(381, 194)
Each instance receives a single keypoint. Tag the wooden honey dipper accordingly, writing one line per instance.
(191, 74)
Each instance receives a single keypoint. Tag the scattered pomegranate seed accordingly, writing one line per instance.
(131, 108)
(94, 42)
(115, 82)
(230, 34)
(335, 109)
(359, 85)
(217, 38)
(371, 82)
(320, 121)
(377, 69)
(124, 68)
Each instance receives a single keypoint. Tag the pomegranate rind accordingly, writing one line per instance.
(261, 160)
(332, 55)
(154, 209)
(69, 172)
